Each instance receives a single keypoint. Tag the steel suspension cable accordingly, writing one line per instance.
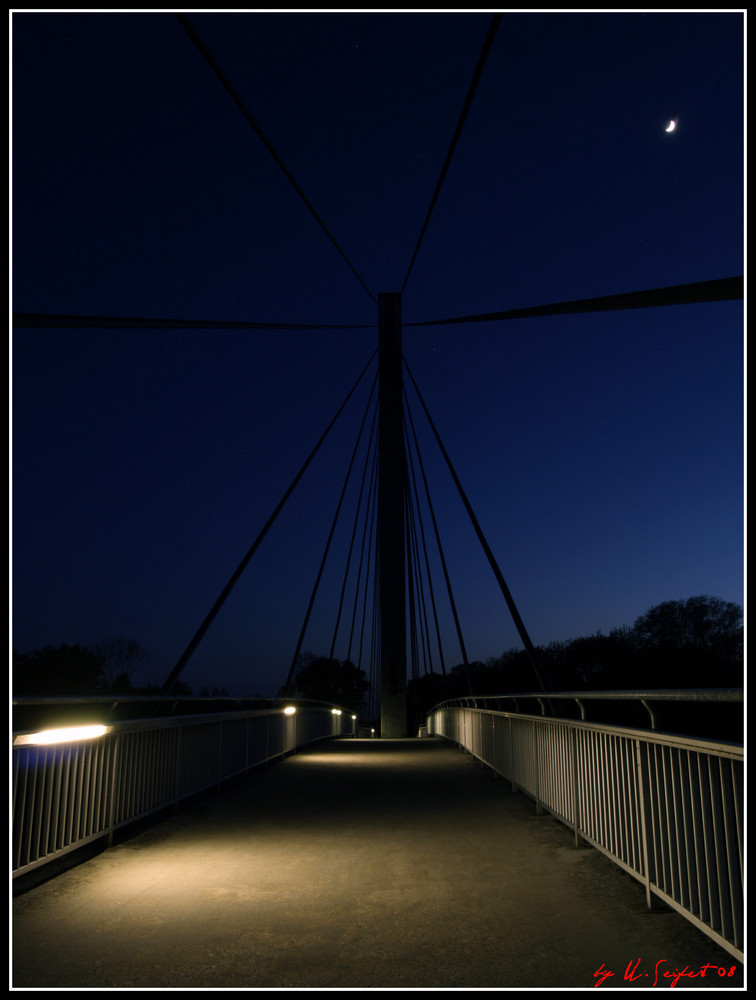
(716, 290)
(692, 293)
(519, 624)
(437, 533)
(411, 610)
(330, 536)
(490, 35)
(215, 66)
(366, 547)
(60, 321)
(414, 530)
(368, 455)
(375, 637)
(414, 526)
(429, 575)
(201, 631)
(374, 642)
(414, 593)
(414, 565)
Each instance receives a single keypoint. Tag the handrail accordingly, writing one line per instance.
(75, 788)
(145, 699)
(667, 809)
(643, 696)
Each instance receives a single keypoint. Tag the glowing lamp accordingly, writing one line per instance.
(290, 710)
(71, 734)
(335, 711)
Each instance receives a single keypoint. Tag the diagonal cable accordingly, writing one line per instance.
(61, 321)
(519, 624)
(493, 27)
(375, 641)
(412, 612)
(319, 576)
(210, 618)
(417, 609)
(212, 62)
(715, 290)
(350, 552)
(366, 548)
(414, 520)
(415, 492)
(442, 557)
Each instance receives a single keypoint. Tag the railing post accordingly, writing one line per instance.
(575, 785)
(220, 752)
(113, 780)
(642, 788)
(179, 732)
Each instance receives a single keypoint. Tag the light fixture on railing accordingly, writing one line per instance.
(335, 711)
(290, 710)
(71, 734)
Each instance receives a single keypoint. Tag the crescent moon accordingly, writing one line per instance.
(671, 127)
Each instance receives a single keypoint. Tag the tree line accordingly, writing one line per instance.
(693, 643)
(107, 667)
(683, 644)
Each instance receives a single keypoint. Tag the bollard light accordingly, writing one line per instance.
(71, 734)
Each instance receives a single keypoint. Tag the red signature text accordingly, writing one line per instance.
(663, 975)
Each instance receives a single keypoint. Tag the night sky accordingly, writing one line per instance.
(602, 453)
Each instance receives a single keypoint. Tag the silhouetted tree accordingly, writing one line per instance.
(58, 671)
(510, 672)
(121, 657)
(693, 643)
(701, 622)
(425, 692)
(592, 662)
(696, 642)
(325, 679)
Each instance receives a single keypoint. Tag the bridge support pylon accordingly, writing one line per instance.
(392, 464)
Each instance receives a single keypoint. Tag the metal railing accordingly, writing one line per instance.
(68, 794)
(667, 809)
(650, 700)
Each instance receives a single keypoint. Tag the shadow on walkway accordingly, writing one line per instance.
(362, 864)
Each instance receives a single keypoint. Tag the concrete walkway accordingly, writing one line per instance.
(357, 864)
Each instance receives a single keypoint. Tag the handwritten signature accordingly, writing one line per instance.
(660, 973)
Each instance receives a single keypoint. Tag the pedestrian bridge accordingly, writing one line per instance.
(506, 850)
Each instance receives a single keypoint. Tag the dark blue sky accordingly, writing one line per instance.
(603, 453)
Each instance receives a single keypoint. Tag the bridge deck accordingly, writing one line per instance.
(361, 863)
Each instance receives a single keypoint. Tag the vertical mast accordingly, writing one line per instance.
(391, 540)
